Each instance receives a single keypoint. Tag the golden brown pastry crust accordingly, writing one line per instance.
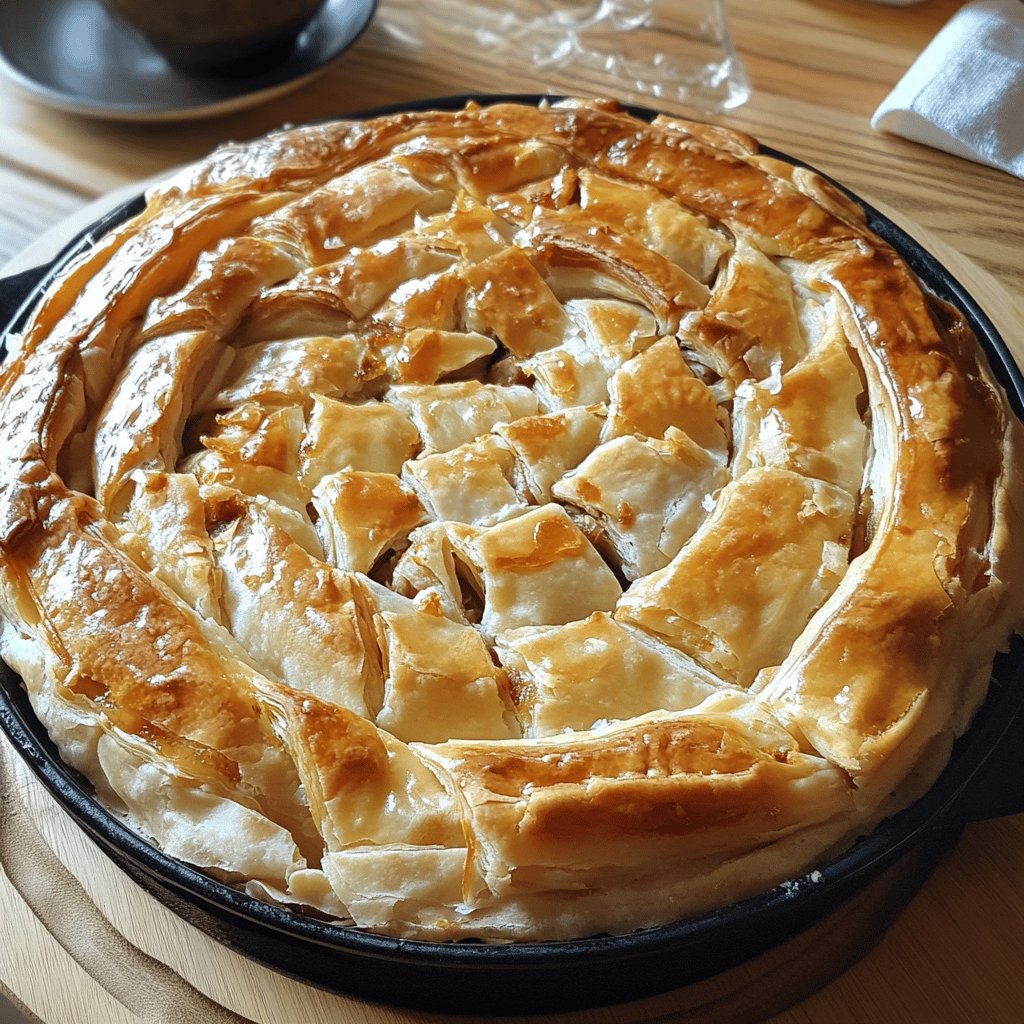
(512, 522)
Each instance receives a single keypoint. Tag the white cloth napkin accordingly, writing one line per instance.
(965, 93)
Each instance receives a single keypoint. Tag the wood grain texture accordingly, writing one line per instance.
(28, 203)
(818, 69)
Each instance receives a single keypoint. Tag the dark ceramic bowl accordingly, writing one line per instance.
(218, 36)
(984, 778)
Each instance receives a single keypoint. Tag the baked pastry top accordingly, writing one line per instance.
(516, 522)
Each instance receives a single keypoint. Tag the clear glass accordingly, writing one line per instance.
(678, 50)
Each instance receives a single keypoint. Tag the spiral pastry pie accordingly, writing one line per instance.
(517, 522)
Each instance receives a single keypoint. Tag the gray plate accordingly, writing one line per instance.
(72, 55)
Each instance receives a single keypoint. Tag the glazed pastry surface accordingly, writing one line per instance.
(516, 523)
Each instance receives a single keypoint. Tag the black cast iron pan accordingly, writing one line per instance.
(984, 778)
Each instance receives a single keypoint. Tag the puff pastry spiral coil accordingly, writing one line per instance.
(516, 522)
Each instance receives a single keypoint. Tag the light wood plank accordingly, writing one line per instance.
(30, 206)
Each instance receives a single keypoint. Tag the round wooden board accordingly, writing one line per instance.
(944, 960)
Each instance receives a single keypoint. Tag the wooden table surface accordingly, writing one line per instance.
(818, 69)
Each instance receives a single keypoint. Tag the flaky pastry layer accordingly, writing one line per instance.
(515, 522)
